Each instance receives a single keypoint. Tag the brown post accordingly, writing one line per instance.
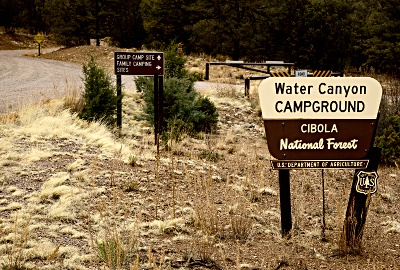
(357, 208)
(156, 108)
(246, 87)
(119, 101)
(284, 196)
(207, 76)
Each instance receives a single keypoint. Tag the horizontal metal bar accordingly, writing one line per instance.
(252, 64)
(252, 69)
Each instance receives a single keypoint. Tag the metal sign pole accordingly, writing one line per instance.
(284, 193)
(156, 106)
(160, 103)
(119, 101)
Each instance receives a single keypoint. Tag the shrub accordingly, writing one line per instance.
(100, 98)
(174, 64)
(204, 116)
(183, 108)
(116, 250)
(389, 141)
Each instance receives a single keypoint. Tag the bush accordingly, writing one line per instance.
(100, 95)
(389, 141)
(184, 110)
(174, 64)
(204, 116)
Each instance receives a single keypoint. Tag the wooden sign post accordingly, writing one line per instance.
(357, 208)
(318, 123)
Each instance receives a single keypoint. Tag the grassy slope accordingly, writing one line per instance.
(212, 202)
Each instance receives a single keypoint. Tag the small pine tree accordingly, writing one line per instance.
(389, 141)
(100, 98)
(183, 108)
(205, 115)
(174, 64)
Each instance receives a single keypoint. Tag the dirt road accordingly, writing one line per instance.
(25, 79)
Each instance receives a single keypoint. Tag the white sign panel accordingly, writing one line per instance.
(301, 73)
(320, 98)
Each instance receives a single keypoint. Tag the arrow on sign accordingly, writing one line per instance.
(139, 63)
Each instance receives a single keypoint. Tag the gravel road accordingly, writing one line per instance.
(25, 79)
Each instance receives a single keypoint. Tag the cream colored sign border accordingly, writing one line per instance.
(363, 92)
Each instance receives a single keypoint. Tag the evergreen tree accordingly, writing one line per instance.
(122, 21)
(11, 15)
(71, 22)
(100, 95)
(166, 21)
(382, 47)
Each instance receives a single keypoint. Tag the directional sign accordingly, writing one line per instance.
(139, 63)
(39, 38)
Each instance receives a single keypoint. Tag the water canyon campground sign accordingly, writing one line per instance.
(139, 63)
(319, 122)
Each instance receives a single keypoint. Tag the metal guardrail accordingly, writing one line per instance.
(244, 65)
(268, 65)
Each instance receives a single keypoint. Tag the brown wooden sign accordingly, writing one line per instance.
(324, 139)
(319, 118)
(139, 63)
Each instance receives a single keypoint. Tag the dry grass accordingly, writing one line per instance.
(73, 195)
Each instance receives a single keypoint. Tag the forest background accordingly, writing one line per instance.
(315, 34)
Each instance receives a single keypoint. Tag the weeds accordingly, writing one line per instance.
(116, 249)
(228, 92)
(207, 218)
(73, 99)
(118, 246)
(131, 186)
(210, 155)
(132, 161)
(204, 247)
(16, 251)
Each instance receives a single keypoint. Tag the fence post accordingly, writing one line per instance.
(246, 87)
